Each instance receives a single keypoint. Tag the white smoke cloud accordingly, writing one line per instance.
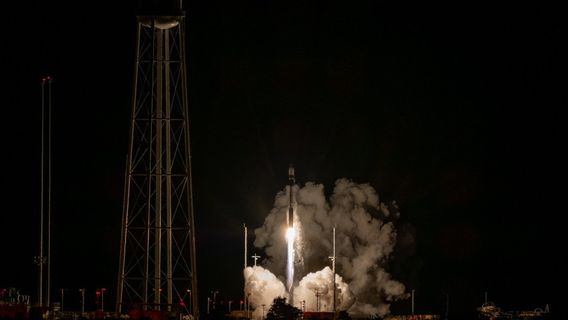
(262, 287)
(317, 289)
(364, 242)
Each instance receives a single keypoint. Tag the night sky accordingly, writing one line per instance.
(454, 112)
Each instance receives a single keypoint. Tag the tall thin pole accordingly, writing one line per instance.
(245, 266)
(49, 195)
(62, 298)
(103, 299)
(412, 301)
(447, 306)
(263, 305)
(40, 258)
(82, 301)
(317, 301)
(334, 284)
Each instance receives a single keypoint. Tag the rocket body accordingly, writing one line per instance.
(291, 182)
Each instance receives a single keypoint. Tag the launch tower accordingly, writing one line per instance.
(157, 265)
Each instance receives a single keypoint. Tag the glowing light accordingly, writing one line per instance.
(290, 234)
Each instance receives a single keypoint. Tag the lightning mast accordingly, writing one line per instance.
(41, 259)
(157, 264)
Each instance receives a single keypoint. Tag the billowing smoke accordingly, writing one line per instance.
(315, 291)
(261, 287)
(365, 239)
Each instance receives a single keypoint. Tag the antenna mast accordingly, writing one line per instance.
(41, 259)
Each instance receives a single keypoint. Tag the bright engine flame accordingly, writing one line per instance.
(290, 234)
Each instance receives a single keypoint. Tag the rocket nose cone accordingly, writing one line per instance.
(291, 171)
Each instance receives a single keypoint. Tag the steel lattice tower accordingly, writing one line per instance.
(157, 267)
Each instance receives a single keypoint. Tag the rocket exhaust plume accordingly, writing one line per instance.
(365, 239)
(290, 237)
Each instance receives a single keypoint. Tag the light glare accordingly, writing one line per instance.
(290, 234)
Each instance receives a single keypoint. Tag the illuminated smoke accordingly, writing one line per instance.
(321, 282)
(365, 238)
(262, 287)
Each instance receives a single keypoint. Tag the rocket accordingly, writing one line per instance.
(291, 182)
